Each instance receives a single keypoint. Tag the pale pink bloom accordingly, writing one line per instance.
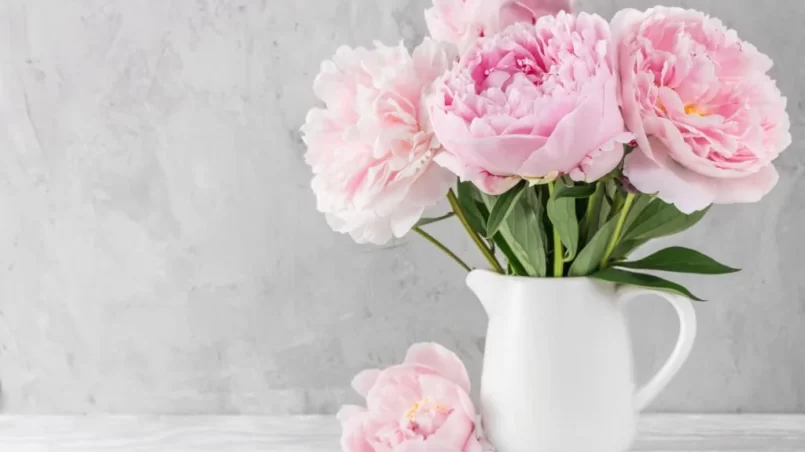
(708, 119)
(421, 405)
(463, 21)
(534, 102)
(371, 147)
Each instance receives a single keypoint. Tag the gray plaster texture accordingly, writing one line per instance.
(160, 250)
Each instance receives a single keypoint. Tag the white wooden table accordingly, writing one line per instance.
(659, 433)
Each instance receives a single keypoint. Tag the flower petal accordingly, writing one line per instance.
(748, 189)
(440, 359)
(364, 381)
(453, 434)
(347, 412)
(688, 191)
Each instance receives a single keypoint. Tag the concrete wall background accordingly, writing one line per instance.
(160, 251)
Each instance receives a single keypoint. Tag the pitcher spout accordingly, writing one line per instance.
(488, 287)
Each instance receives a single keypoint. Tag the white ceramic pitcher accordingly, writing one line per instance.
(558, 373)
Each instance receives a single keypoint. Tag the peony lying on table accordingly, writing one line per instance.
(422, 404)
(562, 142)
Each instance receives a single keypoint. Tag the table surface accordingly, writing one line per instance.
(658, 433)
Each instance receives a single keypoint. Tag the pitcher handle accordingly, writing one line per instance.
(687, 334)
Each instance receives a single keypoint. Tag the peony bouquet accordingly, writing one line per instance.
(562, 142)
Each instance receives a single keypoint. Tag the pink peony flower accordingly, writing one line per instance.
(708, 119)
(420, 405)
(534, 102)
(464, 21)
(371, 148)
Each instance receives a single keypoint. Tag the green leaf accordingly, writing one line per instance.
(562, 213)
(617, 202)
(581, 211)
(659, 219)
(643, 280)
(590, 256)
(625, 248)
(680, 260)
(575, 192)
(592, 218)
(515, 267)
(608, 206)
(523, 233)
(610, 192)
(638, 206)
(466, 199)
(427, 221)
(504, 204)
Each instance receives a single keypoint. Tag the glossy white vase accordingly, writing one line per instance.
(558, 374)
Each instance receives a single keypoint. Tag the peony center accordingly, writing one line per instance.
(426, 416)
(693, 109)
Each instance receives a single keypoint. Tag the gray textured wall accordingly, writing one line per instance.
(160, 250)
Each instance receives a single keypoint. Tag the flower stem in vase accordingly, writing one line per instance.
(451, 197)
(442, 247)
(616, 236)
(558, 250)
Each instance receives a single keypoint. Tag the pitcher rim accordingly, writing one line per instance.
(563, 279)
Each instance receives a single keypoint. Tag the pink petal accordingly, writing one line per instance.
(354, 436)
(453, 164)
(465, 402)
(528, 10)
(747, 189)
(396, 390)
(403, 219)
(432, 186)
(622, 26)
(364, 381)
(355, 443)
(447, 393)
(473, 445)
(672, 183)
(493, 185)
(349, 411)
(432, 59)
(566, 146)
(478, 145)
(486, 152)
(416, 445)
(487, 446)
(599, 163)
(453, 434)
(691, 191)
(488, 183)
(440, 359)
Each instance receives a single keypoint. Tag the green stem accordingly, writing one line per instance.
(427, 221)
(442, 247)
(589, 224)
(613, 242)
(617, 203)
(451, 197)
(558, 250)
(492, 246)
